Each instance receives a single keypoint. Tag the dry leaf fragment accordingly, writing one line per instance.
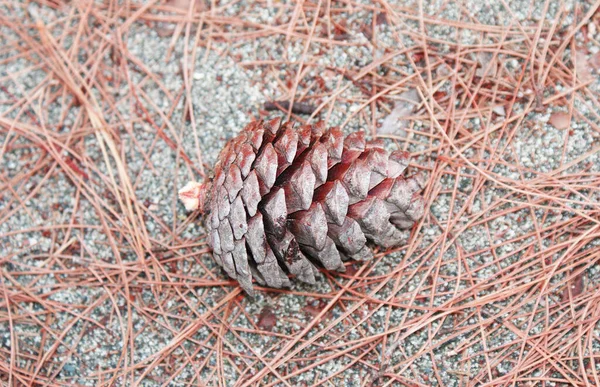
(560, 120)
(395, 123)
(575, 287)
(184, 5)
(381, 18)
(443, 70)
(499, 110)
(485, 60)
(591, 29)
(595, 61)
(314, 308)
(582, 66)
(267, 319)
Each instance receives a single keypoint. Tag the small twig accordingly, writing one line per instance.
(297, 107)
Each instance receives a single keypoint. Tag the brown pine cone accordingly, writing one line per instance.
(285, 199)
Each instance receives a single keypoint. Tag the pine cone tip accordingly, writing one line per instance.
(193, 196)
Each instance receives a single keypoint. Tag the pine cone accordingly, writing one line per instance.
(285, 199)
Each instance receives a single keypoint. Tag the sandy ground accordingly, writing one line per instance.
(497, 284)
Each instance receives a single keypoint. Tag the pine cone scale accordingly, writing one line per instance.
(356, 180)
(288, 251)
(251, 193)
(334, 200)
(318, 161)
(256, 238)
(274, 212)
(237, 218)
(246, 159)
(334, 142)
(225, 236)
(285, 147)
(266, 168)
(328, 256)
(349, 237)
(299, 188)
(309, 227)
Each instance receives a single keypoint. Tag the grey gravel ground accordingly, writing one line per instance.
(226, 93)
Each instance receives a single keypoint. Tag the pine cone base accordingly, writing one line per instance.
(285, 200)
